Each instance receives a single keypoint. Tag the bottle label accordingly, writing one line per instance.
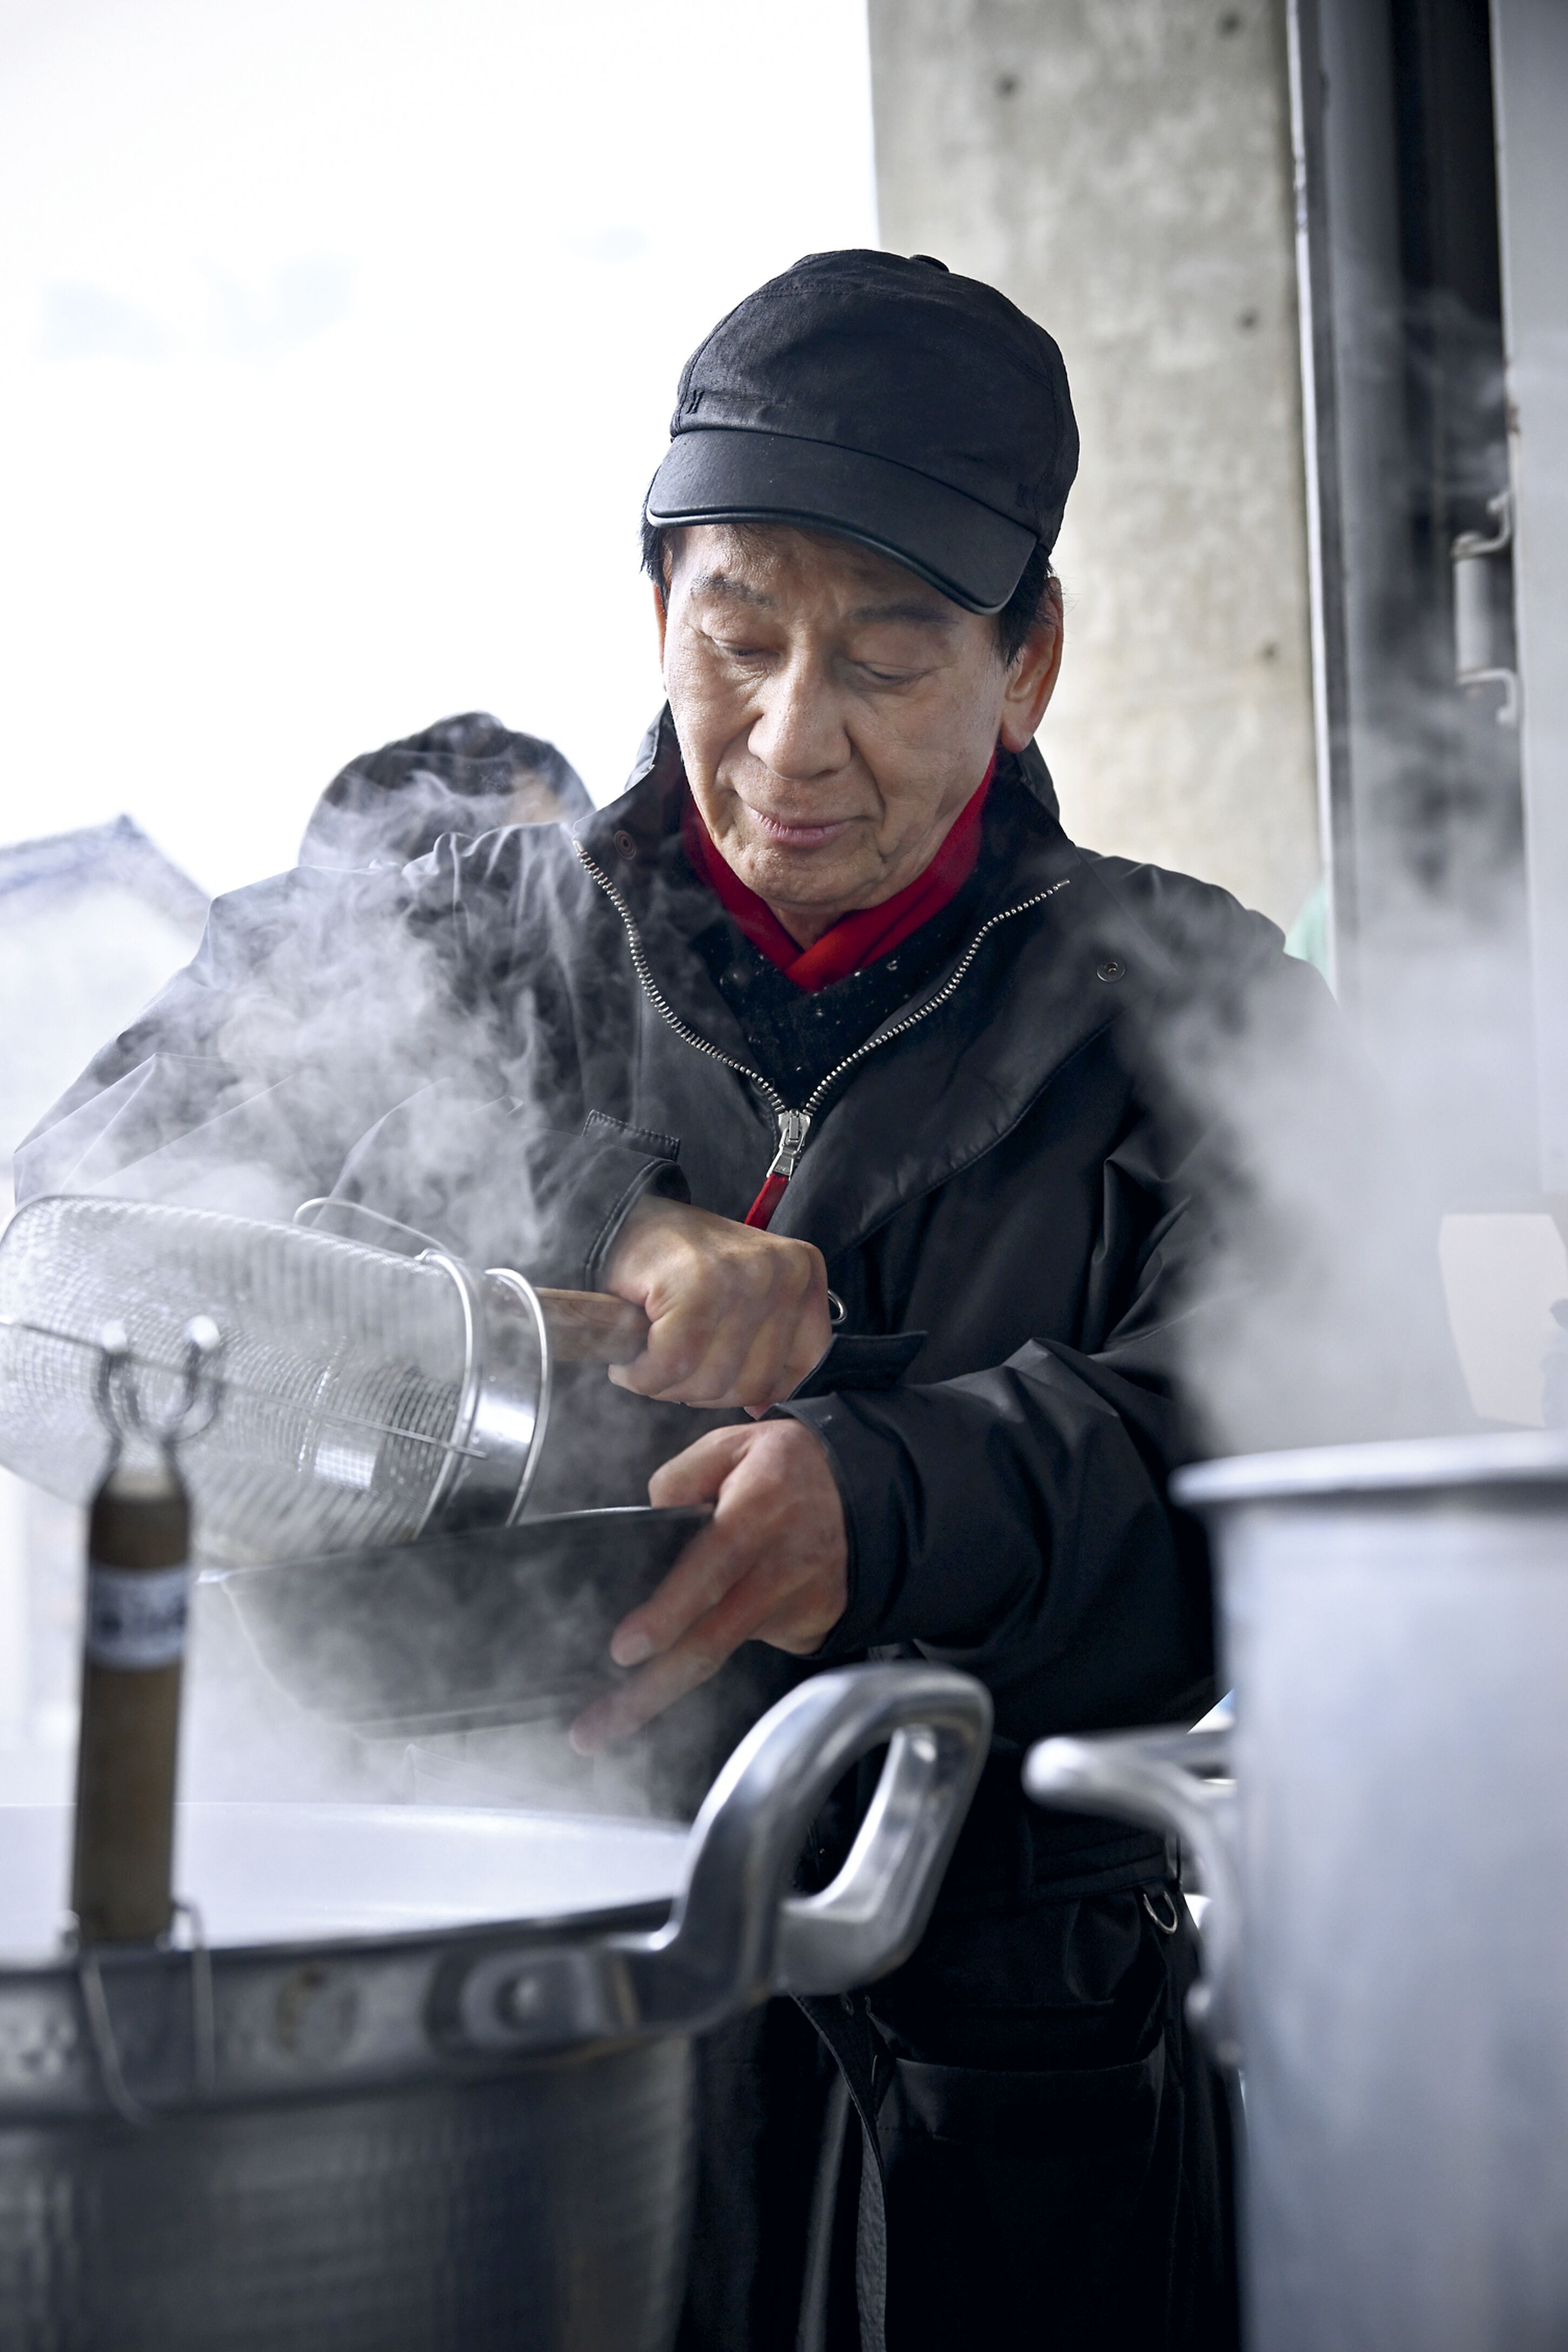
(136, 1616)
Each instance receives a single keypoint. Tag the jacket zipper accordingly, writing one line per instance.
(793, 1126)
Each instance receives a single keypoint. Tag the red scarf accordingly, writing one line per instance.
(855, 939)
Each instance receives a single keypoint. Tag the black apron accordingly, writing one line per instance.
(1052, 2165)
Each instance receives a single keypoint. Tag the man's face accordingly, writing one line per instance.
(834, 714)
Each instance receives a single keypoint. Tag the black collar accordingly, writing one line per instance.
(1075, 960)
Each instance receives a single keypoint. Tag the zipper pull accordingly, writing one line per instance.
(794, 1128)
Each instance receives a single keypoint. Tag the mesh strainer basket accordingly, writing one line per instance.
(367, 1396)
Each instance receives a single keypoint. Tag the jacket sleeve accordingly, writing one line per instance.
(1275, 1284)
(1013, 1518)
(316, 1045)
(1014, 1522)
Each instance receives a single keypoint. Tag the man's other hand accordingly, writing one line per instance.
(771, 1566)
(736, 1316)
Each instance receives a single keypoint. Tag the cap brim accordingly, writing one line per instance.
(726, 474)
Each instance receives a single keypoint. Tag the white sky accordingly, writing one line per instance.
(338, 341)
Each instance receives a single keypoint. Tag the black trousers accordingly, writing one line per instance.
(1056, 2148)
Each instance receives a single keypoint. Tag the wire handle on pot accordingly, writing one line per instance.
(121, 1403)
(105, 2042)
(1177, 1781)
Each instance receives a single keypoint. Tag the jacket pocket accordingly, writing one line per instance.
(1028, 2208)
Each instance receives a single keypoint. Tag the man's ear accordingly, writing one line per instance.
(660, 621)
(1032, 679)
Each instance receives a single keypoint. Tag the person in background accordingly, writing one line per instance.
(464, 775)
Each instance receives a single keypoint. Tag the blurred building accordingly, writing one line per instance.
(91, 925)
(1304, 262)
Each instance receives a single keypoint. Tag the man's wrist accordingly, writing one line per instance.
(645, 1181)
(847, 1637)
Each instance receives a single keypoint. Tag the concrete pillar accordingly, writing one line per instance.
(1121, 169)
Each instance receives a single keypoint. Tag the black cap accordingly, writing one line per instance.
(916, 411)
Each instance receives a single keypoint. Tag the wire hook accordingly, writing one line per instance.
(120, 1405)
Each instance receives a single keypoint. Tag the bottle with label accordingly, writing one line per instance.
(138, 1595)
(134, 1649)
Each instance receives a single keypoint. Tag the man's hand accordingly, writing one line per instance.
(737, 1315)
(771, 1566)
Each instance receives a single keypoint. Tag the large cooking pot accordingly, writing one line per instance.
(1387, 1938)
(427, 2087)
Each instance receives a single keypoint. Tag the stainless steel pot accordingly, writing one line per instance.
(427, 2085)
(1385, 1942)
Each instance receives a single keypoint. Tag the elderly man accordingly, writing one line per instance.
(826, 1021)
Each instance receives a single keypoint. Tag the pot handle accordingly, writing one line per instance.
(1179, 1782)
(736, 1932)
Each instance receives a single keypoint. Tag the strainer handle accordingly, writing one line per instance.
(585, 1327)
(593, 1327)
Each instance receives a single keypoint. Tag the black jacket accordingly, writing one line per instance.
(1032, 1164)
(1011, 1166)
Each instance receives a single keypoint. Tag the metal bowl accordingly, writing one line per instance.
(499, 1625)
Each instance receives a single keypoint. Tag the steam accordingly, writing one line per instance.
(1316, 1314)
(1364, 1156)
(319, 1016)
(393, 806)
(328, 1043)
(324, 1042)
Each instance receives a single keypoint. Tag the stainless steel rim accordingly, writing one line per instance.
(468, 1397)
(515, 1283)
(1432, 1466)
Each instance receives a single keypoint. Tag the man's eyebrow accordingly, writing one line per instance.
(928, 616)
(725, 584)
(910, 608)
